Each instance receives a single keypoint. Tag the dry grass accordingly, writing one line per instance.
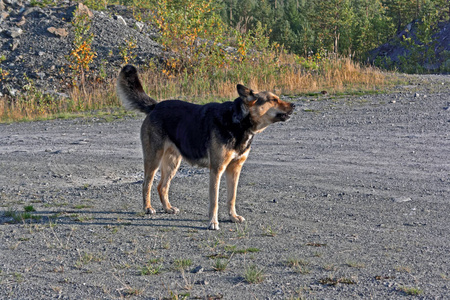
(280, 73)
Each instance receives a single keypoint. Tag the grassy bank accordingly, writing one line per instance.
(281, 74)
(204, 61)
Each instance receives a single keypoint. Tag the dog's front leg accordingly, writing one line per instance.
(214, 181)
(232, 173)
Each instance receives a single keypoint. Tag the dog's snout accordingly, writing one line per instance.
(292, 105)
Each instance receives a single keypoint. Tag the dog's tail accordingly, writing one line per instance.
(130, 91)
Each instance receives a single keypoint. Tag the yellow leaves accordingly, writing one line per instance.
(81, 57)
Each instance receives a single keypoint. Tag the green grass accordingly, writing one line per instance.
(412, 291)
(181, 264)
(253, 274)
(151, 269)
(29, 208)
(21, 216)
(220, 265)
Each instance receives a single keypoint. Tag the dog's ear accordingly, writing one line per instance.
(240, 111)
(245, 93)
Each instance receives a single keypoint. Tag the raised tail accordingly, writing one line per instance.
(130, 91)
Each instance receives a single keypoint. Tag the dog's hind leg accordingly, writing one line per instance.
(169, 165)
(151, 164)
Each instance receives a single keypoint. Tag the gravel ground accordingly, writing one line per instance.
(350, 199)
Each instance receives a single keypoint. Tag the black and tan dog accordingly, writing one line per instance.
(215, 135)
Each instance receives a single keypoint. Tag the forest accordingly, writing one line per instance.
(344, 27)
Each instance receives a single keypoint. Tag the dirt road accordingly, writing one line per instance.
(349, 199)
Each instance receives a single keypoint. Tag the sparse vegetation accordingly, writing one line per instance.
(298, 265)
(181, 264)
(334, 281)
(412, 291)
(254, 274)
(151, 268)
(220, 265)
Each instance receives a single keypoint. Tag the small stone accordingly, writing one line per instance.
(4, 15)
(274, 201)
(202, 282)
(140, 25)
(401, 199)
(392, 101)
(197, 270)
(121, 20)
(21, 22)
(15, 32)
(416, 95)
(84, 10)
(61, 32)
(15, 44)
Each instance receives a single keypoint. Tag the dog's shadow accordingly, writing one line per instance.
(100, 218)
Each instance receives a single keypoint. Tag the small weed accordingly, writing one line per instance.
(253, 274)
(403, 269)
(242, 230)
(317, 254)
(269, 231)
(29, 208)
(181, 264)
(230, 248)
(220, 265)
(316, 244)
(330, 267)
(334, 281)
(86, 258)
(18, 277)
(412, 291)
(218, 255)
(151, 269)
(298, 265)
(129, 292)
(354, 264)
(20, 216)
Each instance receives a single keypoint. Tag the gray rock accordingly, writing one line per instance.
(198, 269)
(15, 32)
(121, 20)
(140, 25)
(401, 199)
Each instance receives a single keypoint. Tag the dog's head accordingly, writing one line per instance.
(264, 108)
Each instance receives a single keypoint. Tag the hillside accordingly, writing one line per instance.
(416, 56)
(36, 40)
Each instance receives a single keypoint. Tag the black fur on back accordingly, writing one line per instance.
(189, 126)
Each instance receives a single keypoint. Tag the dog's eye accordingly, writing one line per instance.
(275, 100)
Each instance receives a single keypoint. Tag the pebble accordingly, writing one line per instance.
(140, 25)
(15, 32)
(197, 270)
(416, 95)
(401, 199)
(121, 20)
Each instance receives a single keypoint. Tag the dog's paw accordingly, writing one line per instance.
(150, 211)
(237, 219)
(213, 226)
(172, 210)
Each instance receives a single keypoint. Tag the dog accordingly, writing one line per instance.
(215, 135)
